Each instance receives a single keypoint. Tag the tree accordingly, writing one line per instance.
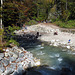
(1, 30)
(1, 14)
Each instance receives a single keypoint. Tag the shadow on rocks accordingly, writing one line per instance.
(28, 40)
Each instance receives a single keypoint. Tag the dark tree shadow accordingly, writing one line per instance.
(45, 70)
(28, 40)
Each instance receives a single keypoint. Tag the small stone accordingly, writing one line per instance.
(5, 62)
(1, 58)
(20, 69)
(15, 56)
(52, 41)
(7, 50)
(2, 69)
(15, 73)
(68, 47)
(9, 71)
(12, 59)
(22, 49)
(2, 55)
(6, 54)
(1, 65)
(55, 44)
(18, 60)
(13, 65)
(21, 55)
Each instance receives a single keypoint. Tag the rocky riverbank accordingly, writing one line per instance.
(48, 35)
(15, 60)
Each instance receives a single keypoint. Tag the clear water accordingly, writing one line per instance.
(54, 57)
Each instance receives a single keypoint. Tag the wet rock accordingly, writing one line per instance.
(68, 47)
(18, 60)
(65, 71)
(20, 69)
(2, 55)
(7, 50)
(13, 65)
(52, 41)
(15, 73)
(21, 55)
(15, 56)
(6, 54)
(2, 69)
(1, 58)
(5, 62)
(12, 59)
(55, 44)
(1, 65)
(9, 71)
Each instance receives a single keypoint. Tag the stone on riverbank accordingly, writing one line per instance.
(16, 60)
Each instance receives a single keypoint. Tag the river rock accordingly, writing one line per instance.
(15, 73)
(12, 59)
(55, 44)
(2, 55)
(68, 47)
(7, 50)
(20, 69)
(9, 71)
(2, 69)
(5, 62)
(15, 60)
(6, 54)
(21, 55)
(15, 56)
(1, 65)
(1, 58)
(13, 65)
(52, 41)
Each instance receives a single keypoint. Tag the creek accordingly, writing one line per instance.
(54, 60)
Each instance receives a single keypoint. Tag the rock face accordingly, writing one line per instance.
(15, 60)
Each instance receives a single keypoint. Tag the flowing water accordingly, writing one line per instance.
(55, 58)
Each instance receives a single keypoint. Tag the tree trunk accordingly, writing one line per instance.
(1, 23)
(66, 4)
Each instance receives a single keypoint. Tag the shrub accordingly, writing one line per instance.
(31, 22)
(68, 24)
(1, 50)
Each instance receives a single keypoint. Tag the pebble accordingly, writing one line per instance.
(5, 62)
(68, 47)
(2, 55)
(15, 60)
(12, 59)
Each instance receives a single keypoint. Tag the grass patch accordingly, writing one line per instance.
(68, 24)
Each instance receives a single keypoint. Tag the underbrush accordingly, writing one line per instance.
(68, 24)
(31, 22)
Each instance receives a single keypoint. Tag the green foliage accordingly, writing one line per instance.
(68, 24)
(10, 30)
(31, 22)
(9, 40)
(65, 15)
(1, 31)
(12, 41)
(1, 50)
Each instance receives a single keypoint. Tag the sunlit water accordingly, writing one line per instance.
(54, 57)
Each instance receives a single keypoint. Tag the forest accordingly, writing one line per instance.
(15, 13)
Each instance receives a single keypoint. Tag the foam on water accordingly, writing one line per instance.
(57, 55)
(60, 59)
(41, 53)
